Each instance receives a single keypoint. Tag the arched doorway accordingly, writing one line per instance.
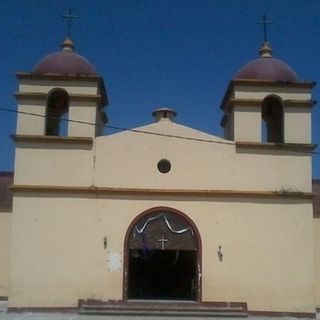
(162, 257)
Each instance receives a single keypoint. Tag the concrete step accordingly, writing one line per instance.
(165, 313)
(162, 309)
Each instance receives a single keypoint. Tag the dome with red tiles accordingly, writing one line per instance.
(65, 62)
(267, 68)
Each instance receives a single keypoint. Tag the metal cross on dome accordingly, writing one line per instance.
(265, 22)
(69, 16)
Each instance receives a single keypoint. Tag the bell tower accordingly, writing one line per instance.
(62, 91)
(266, 102)
(60, 113)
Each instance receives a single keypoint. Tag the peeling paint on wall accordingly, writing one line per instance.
(114, 261)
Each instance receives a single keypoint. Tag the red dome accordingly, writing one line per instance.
(65, 62)
(267, 69)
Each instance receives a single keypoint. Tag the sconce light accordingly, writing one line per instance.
(220, 254)
(105, 242)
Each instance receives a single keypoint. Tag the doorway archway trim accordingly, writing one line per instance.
(127, 240)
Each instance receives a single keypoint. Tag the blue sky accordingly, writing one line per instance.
(151, 53)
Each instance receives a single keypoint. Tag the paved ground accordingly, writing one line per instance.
(75, 316)
(61, 316)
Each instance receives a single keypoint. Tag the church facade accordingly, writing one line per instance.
(163, 212)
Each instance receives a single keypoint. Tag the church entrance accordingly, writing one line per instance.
(162, 257)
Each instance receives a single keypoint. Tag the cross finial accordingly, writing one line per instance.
(69, 16)
(265, 21)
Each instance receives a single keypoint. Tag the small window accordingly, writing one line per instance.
(57, 109)
(273, 120)
(164, 166)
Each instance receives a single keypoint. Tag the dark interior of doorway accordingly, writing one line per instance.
(162, 275)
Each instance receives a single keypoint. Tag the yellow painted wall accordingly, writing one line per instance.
(5, 226)
(247, 123)
(316, 226)
(58, 164)
(71, 86)
(267, 249)
(297, 120)
(260, 92)
(57, 240)
(31, 102)
(130, 160)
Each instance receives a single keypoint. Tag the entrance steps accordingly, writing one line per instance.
(163, 308)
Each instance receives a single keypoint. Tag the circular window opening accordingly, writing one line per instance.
(164, 166)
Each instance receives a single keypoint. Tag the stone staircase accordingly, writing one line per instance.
(163, 308)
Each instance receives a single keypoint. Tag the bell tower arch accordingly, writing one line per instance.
(57, 106)
(272, 113)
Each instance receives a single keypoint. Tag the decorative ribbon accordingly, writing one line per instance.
(162, 215)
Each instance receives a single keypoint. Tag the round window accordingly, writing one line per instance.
(164, 166)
